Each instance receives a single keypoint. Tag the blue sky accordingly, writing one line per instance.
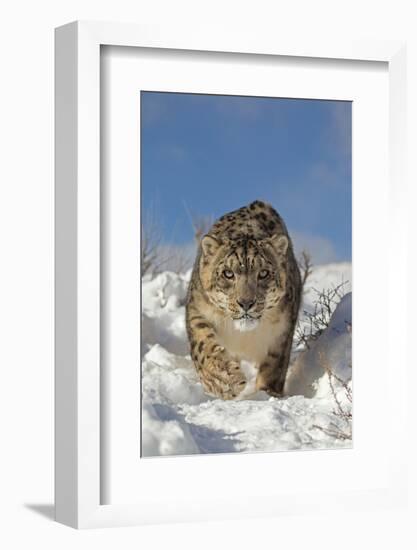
(212, 154)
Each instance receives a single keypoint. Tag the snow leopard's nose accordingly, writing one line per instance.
(245, 304)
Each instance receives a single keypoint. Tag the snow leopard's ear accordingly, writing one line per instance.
(209, 245)
(278, 242)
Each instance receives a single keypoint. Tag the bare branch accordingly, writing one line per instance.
(334, 431)
(176, 260)
(150, 242)
(341, 411)
(201, 224)
(306, 266)
(316, 321)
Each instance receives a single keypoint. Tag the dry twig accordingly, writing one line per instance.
(316, 321)
(306, 266)
(201, 224)
(341, 411)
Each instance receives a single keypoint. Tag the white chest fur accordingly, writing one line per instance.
(250, 345)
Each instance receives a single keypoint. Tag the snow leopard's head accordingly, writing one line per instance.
(244, 277)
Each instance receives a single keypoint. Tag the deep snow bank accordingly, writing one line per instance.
(163, 313)
(178, 418)
(308, 374)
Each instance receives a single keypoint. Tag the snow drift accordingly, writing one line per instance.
(179, 418)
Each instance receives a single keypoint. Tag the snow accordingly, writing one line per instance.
(163, 316)
(307, 375)
(179, 418)
(327, 276)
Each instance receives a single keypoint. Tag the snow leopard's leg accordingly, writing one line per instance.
(219, 373)
(273, 370)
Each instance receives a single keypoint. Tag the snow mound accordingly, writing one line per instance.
(163, 311)
(179, 418)
(309, 373)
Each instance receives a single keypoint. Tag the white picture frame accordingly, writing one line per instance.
(78, 405)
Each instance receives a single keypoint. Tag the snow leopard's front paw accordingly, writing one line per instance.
(250, 371)
(223, 379)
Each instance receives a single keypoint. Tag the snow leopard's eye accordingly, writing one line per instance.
(228, 274)
(263, 274)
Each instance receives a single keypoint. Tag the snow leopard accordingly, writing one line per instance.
(242, 304)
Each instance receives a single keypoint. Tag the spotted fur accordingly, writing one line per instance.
(243, 302)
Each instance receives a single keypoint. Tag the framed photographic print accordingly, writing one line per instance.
(217, 300)
(221, 299)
